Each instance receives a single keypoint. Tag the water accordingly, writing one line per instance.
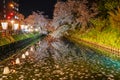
(82, 62)
(63, 60)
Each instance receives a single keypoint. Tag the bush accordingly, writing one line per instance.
(99, 24)
(115, 18)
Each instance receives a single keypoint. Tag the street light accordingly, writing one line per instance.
(22, 27)
(26, 28)
(4, 27)
(11, 5)
(12, 22)
(36, 30)
(30, 30)
(15, 27)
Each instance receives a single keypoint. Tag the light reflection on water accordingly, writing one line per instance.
(81, 59)
(63, 60)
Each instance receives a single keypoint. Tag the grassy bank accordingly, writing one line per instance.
(13, 38)
(22, 50)
(95, 48)
(108, 37)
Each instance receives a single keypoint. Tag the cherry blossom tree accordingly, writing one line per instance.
(73, 12)
(62, 14)
(21, 17)
(37, 20)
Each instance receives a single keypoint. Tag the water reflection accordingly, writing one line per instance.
(77, 62)
(63, 60)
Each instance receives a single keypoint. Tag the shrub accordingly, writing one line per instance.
(115, 18)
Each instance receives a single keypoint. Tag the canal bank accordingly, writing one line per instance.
(105, 50)
(10, 49)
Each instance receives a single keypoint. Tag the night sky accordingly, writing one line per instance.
(27, 6)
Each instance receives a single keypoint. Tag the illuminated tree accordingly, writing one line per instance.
(37, 20)
(73, 12)
(105, 6)
(21, 17)
(62, 14)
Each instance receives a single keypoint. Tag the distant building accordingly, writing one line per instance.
(8, 9)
